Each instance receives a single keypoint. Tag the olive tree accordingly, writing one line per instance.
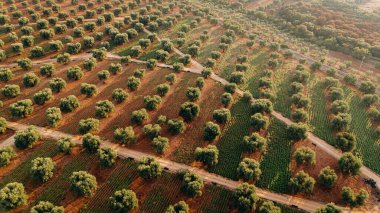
(139, 116)
(222, 115)
(329, 208)
(124, 201)
(74, 73)
(208, 155)
(345, 141)
(103, 108)
(64, 58)
(297, 131)
(176, 126)
(125, 135)
(46, 206)
(180, 207)
(133, 83)
(188, 111)
(27, 138)
(327, 177)
(245, 197)
(11, 91)
(12, 196)
(83, 183)
(69, 103)
(6, 74)
(119, 95)
(249, 170)
(193, 93)
(88, 89)
(304, 155)
(302, 182)
(107, 156)
(65, 145)
(30, 80)
(57, 84)
(53, 116)
(47, 70)
(160, 144)
(254, 143)
(6, 155)
(25, 63)
(149, 168)
(89, 64)
(349, 163)
(88, 125)
(162, 89)
(3, 125)
(42, 169)
(21, 108)
(259, 121)
(211, 131)
(192, 184)
(42, 96)
(262, 106)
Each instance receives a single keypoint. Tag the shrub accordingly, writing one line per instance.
(149, 168)
(339, 106)
(152, 131)
(103, 108)
(30, 80)
(300, 100)
(125, 135)
(57, 84)
(297, 132)
(69, 103)
(119, 95)
(327, 177)
(299, 115)
(226, 99)
(107, 156)
(46, 206)
(36, 52)
(152, 102)
(42, 169)
(27, 138)
(88, 125)
(11, 90)
(211, 131)
(336, 93)
(133, 83)
(348, 163)
(160, 144)
(178, 67)
(230, 88)
(302, 182)
(74, 73)
(249, 170)
(208, 155)
(151, 64)
(65, 145)
(88, 89)
(115, 68)
(21, 108)
(245, 197)
(6, 155)
(254, 143)
(304, 155)
(12, 196)
(349, 197)
(123, 201)
(192, 184)
(176, 126)
(188, 111)
(139, 116)
(83, 183)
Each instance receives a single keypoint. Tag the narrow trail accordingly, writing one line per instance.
(123, 152)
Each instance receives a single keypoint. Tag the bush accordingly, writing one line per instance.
(69, 103)
(181, 206)
(103, 108)
(30, 80)
(300, 100)
(107, 156)
(349, 197)
(162, 89)
(345, 141)
(211, 131)
(139, 73)
(304, 155)
(6, 155)
(171, 78)
(329, 208)
(88, 89)
(249, 170)
(160, 144)
(207, 72)
(269, 207)
(139, 116)
(64, 58)
(11, 90)
(254, 143)
(74, 73)
(367, 87)
(336, 93)
(57, 84)
(192, 184)
(341, 121)
(53, 116)
(21, 108)
(188, 111)
(99, 54)
(245, 197)
(89, 64)
(115, 68)
(47, 70)
(230, 88)
(27, 138)
(370, 99)
(6, 74)
(176, 126)
(119, 95)
(302, 182)
(151, 64)
(12, 196)
(221, 116)
(262, 106)
(348, 163)
(133, 83)
(42, 96)
(339, 106)
(327, 177)
(152, 131)
(88, 125)
(152, 102)
(36, 52)
(149, 168)
(83, 183)
(208, 155)
(65, 145)
(259, 121)
(125, 136)
(350, 79)
(299, 115)
(46, 206)
(193, 94)
(123, 201)
(42, 169)
(297, 132)
(178, 67)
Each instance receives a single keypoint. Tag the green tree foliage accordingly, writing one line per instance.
(341, 121)
(222, 115)
(192, 184)
(259, 121)
(42, 169)
(349, 163)
(103, 108)
(193, 93)
(83, 183)
(345, 141)
(269, 207)
(3, 125)
(125, 135)
(208, 155)
(11, 90)
(152, 102)
(176, 126)
(88, 89)
(89, 64)
(254, 143)
(188, 111)
(91, 142)
(302, 183)
(329, 208)
(107, 156)
(74, 73)
(297, 131)
(211, 131)
(6, 74)
(21, 108)
(162, 89)
(6, 155)
(53, 116)
(367, 87)
(327, 177)
(47, 70)
(12, 196)
(65, 145)
(249, 170)
(180, 207)
(171, 78)
(124, 201)
(42, 96)
(69, 103)
(149, 168)
(245, 197)
(133, 83)
(349, 197)
(119, 95)
(139, 116)
(88, 125)
(30, 80)
(160, 144)
(262, 106)
(57, 84)
(64, 58)
(46, 206)
(304, 155)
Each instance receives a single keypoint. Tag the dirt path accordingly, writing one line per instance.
(123, 152)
